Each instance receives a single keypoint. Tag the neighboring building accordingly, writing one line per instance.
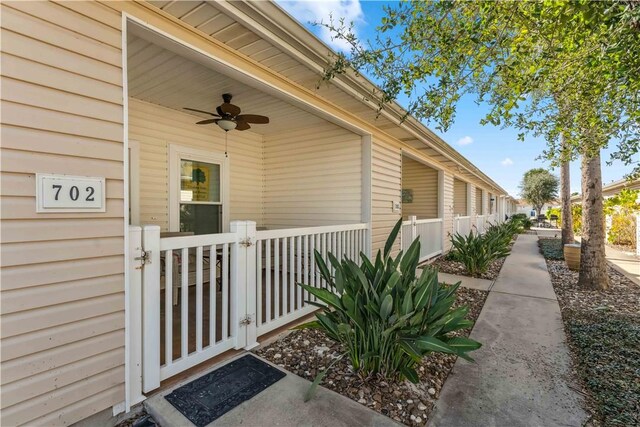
(613, 188)
(96, 91)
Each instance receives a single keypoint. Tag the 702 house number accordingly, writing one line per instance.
(74, 192)
(66, 193)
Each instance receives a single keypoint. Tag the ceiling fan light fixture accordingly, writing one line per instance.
(227, 125)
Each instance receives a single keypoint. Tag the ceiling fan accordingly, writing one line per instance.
(228, 116)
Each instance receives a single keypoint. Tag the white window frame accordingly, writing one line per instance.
(180, 152)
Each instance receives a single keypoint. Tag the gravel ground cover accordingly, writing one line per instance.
(603, 330)
(306, 352)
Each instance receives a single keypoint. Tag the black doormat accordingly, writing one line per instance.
(216, 393)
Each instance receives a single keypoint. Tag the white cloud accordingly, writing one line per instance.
(466, 140)
(506, 162)
(307, 11)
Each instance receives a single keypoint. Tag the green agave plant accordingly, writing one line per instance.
(386, 317)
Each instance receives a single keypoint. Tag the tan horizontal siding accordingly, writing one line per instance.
(423, 182)
(312, 177)
(62, 296)
(386, 177)
(459, 197)
(155, 127)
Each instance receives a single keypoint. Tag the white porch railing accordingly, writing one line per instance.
(462, 225)
(286, 257)
(430, 233)
(481, 223)
(202, 295)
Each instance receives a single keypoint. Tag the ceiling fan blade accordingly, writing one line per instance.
(253, 118)
(242, 125)
(230, 109)
(206, 122)
(200, 111)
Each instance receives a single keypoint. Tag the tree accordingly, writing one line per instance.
(566, 221)
(539, 187)
(551, 69)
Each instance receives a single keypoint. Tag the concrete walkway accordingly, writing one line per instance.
(521, 375)
(466, 281)
(281, 404)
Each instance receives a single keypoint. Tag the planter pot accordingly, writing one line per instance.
(572, 256)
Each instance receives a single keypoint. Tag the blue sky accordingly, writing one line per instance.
(496, 151)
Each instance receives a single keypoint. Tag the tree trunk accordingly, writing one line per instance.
(593, 264)
(565, 197)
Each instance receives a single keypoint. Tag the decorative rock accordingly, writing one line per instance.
(418, 420)
(277, 356)
(422, 407)
(432, 391)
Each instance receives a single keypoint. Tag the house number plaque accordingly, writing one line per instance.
(67, 193)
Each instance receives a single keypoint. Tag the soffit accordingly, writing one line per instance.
(163, 77)
(210, 18)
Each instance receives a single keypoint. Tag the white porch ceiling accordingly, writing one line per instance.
(165, 78)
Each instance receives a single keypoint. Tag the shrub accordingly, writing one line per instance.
(623, 230)
(551, 249)
(387, 318)
(576, 217)
(476, 252)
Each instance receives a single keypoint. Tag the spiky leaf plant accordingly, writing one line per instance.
(386, 317)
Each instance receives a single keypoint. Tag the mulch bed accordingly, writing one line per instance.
(306, 352)
(603, 330)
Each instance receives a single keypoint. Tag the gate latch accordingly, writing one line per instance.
(246, 321)
(145, 258)
(246, 242)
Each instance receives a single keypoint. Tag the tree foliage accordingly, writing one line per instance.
(545, 67)
(539, 187)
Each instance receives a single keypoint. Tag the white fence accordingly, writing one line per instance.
(481, 223)
(286, 257)
(430, 233)
(202, 295)
(462, 225)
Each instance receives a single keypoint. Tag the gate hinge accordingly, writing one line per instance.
(247, 242)
(145, 258)
(246, 321)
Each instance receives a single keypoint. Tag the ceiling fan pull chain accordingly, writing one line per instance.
(226, 134)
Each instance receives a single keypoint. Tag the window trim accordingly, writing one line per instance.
(180, 152)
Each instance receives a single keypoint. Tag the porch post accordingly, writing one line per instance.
(133, 356)
(243, 295)
(365, 204)
(414, 229)
(151, 308)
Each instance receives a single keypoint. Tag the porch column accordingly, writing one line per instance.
(445, 207)
(471, 203)
(365, 205)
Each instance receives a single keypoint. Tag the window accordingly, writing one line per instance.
(200, 203)
(197, 189)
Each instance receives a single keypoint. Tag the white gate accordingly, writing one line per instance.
(203, 295)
